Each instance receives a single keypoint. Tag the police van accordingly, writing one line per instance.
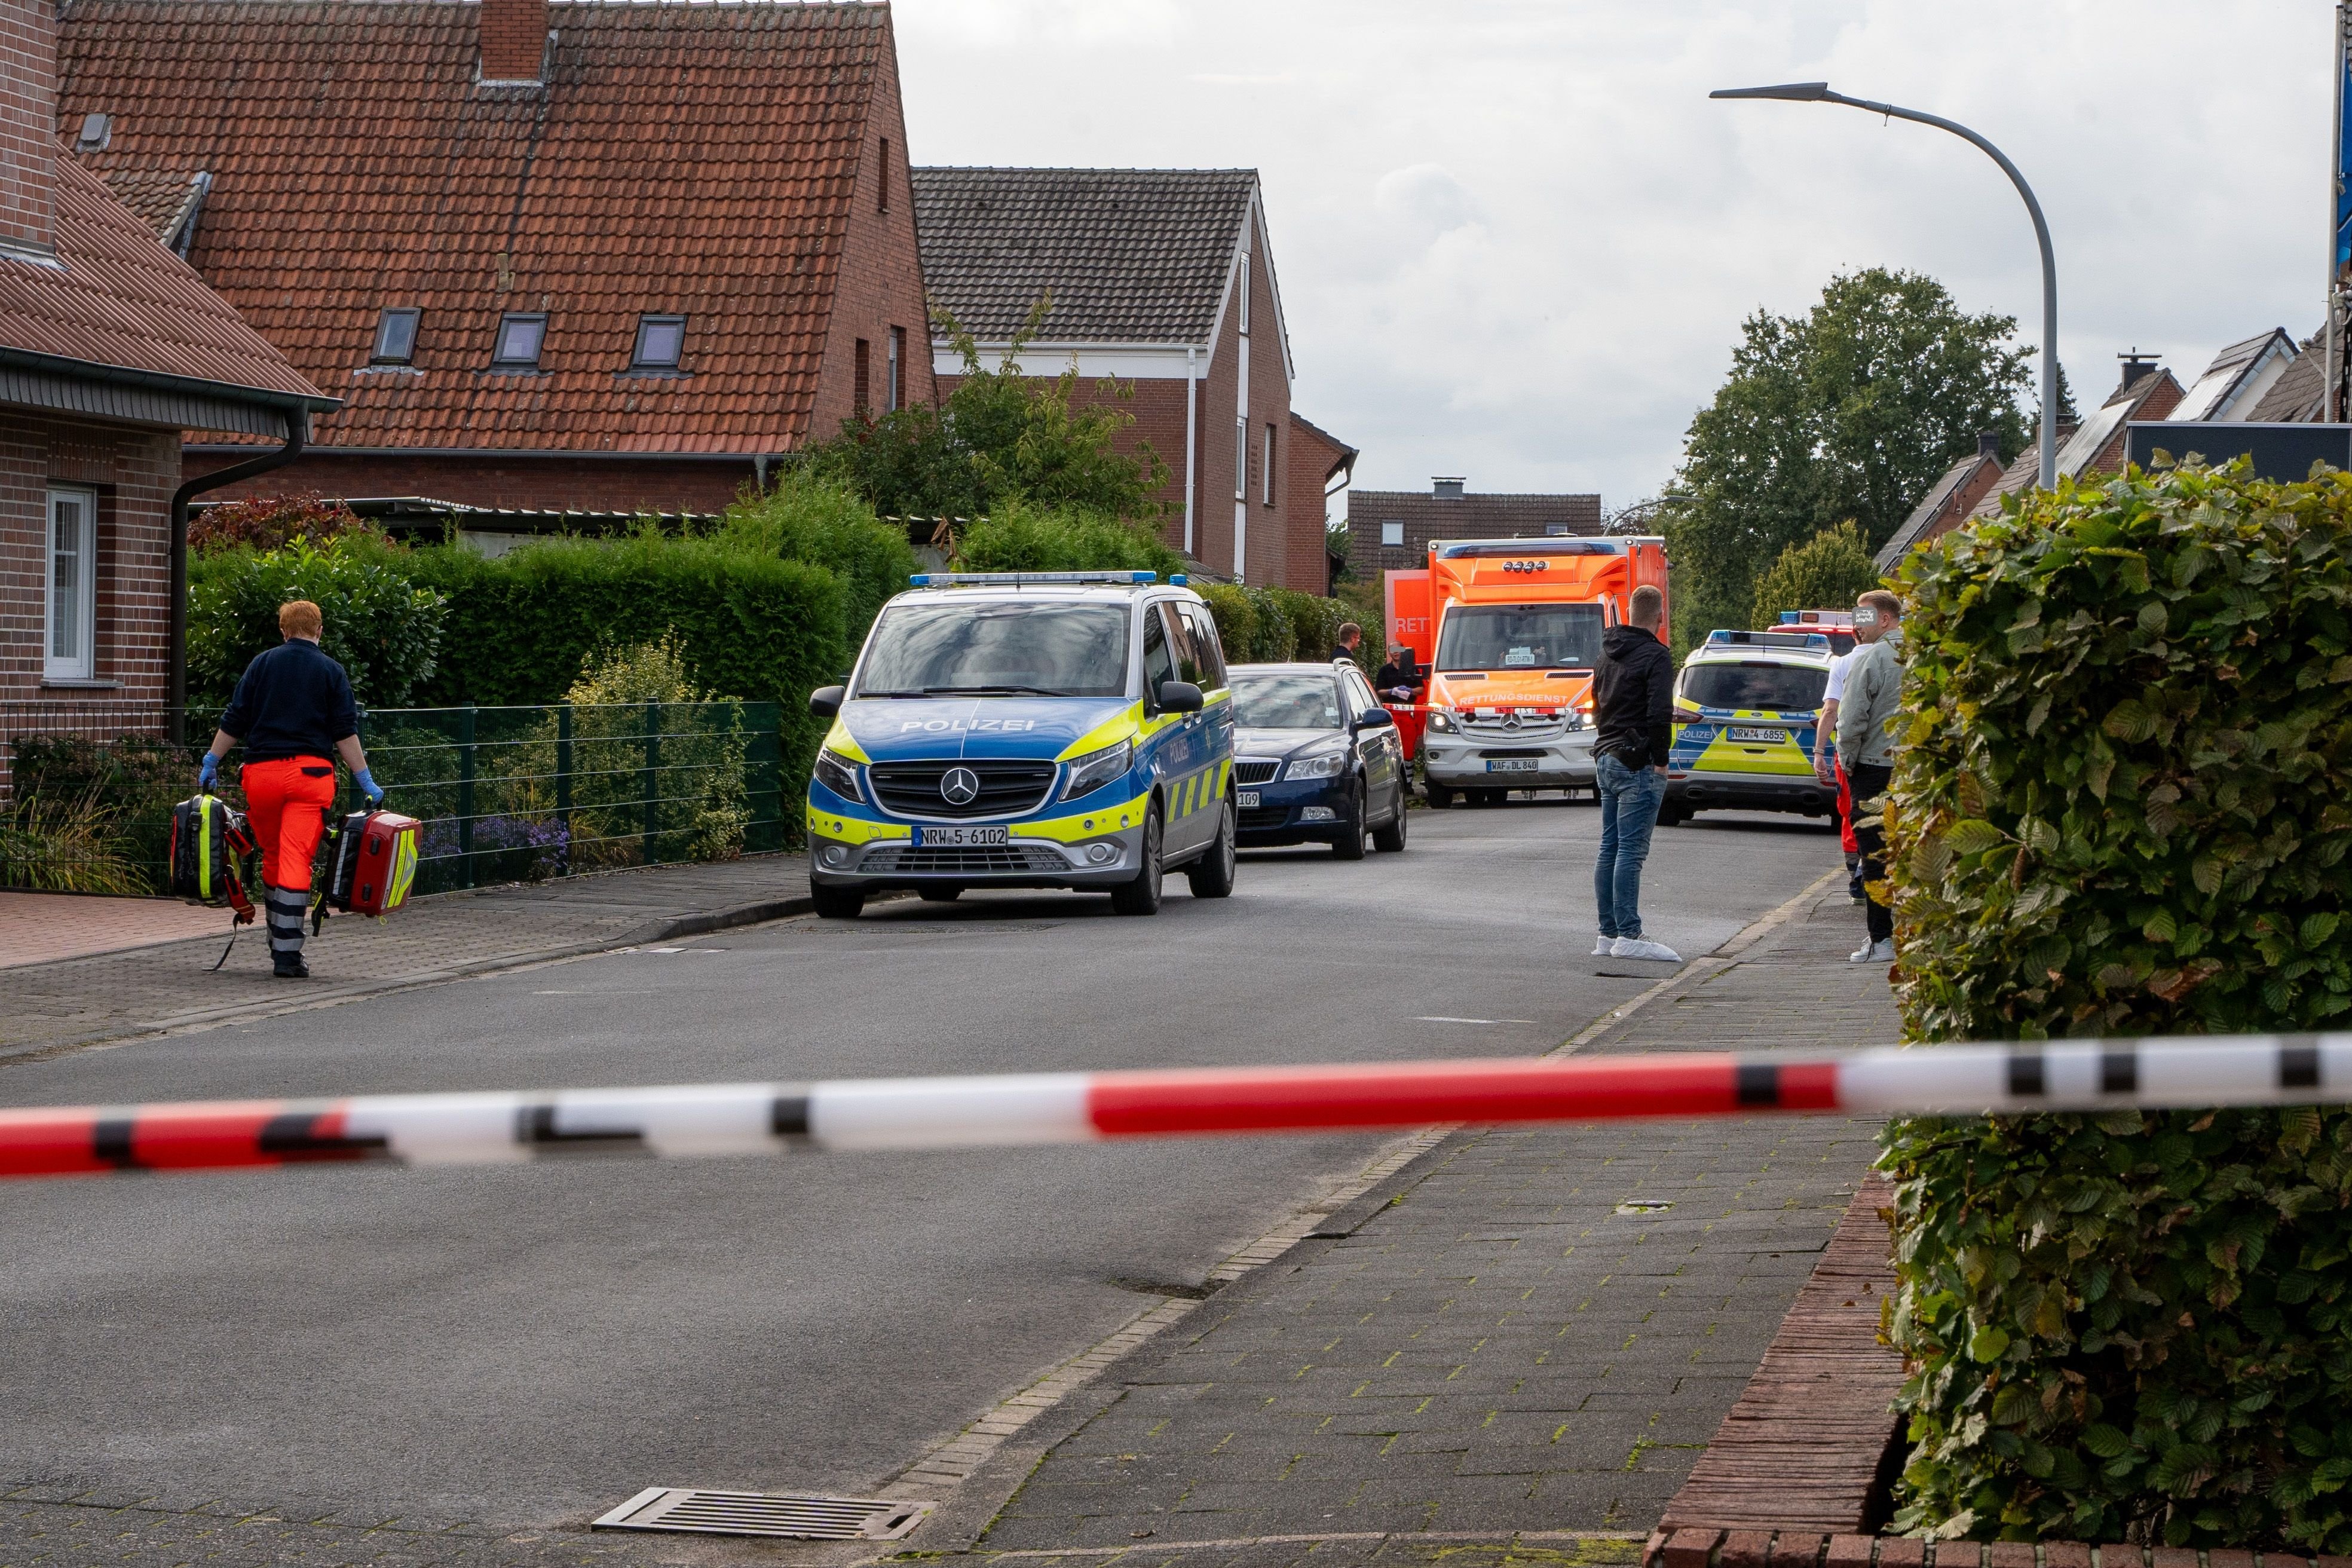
(1028, 729)
(1746, 706)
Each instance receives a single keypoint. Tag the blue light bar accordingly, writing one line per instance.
(1788, 618)
(1769, 639)
(1178, 579)
(974, 579)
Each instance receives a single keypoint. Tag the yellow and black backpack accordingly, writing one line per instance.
(211, 855)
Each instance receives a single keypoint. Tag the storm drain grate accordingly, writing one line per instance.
(699, 1511)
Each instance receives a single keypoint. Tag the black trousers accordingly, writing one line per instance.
(1869, 781)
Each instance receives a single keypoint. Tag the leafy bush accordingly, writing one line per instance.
(1018, 537)
(385, 628)
(701, 770)
(122, 789)
(2120, 808)
(810, 519)
(1276, 626)
(272, 522)
(67, 843)
(1827, 571)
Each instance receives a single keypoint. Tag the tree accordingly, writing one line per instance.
(1001, 433)
(1850, 411)
(1827, 571)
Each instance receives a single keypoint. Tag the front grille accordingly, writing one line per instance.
(1525, 729)
(965, 860)
(1007, 788)
(1259, 817)
(1251, 771)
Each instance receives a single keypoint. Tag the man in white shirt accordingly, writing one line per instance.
(1830, 770)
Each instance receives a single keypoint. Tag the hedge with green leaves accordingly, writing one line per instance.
(385, 628)
(2120, 807)
(1277, 626)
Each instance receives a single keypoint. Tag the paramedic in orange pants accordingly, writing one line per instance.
(293, 710)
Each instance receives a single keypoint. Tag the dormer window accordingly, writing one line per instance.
(395, 336)
(661, 344)
(520, 337)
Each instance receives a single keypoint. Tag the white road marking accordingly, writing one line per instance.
(1474, 1020)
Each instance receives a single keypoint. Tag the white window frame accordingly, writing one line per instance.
(80, 661)
(1240, 456)
(1244, 286)
(1393, 536)
(895, 374)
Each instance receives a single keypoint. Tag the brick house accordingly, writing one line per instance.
(1162, 278)
(1390, 530)
(1949, 502)
(2098, 445)
(551, 256)
(110, 347)
(1317, 459)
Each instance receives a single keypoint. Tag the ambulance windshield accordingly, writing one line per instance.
(998, 648)
(1520, 636)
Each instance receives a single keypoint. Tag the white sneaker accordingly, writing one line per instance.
(1879, 952)
(1635, 947)
(1604, 946)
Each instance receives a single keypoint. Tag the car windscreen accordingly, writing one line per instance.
(1756, 686)
(997, 647)
(1520, 636)
(1285, 702)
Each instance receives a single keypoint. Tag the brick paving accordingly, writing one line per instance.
(1522, 1354)
(41, 927)
(74, 1001)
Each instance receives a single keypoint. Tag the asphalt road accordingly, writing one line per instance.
(532, 1344)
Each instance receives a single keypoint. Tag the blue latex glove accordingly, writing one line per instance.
(369, 787)
(208, 771)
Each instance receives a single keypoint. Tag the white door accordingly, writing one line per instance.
(70, 648)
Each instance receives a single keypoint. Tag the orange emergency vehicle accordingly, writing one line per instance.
(1509, 630)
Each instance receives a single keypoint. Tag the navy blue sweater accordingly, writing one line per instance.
(293, 701)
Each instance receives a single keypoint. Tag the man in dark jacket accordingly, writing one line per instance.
(1633, 716)
(293, 709)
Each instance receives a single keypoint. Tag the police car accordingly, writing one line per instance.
(1028, 729)
(1744, 706)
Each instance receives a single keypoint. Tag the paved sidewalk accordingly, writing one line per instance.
(42, 928)
(70, 1002)
(1521, 1350)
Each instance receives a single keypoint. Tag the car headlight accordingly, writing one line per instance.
(1442, 721)
(839, 774)
(1096, 769)
(1327, 765)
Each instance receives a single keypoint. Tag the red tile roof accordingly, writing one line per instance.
(682, 158)
(118, 300)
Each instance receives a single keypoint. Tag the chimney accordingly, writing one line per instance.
(514, 39)
(1447, 487)
(1989, 444)
(28, 128)
(2136, 365)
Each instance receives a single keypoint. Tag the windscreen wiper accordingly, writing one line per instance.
(991, 691)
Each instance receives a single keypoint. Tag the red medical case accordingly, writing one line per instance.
(374, 863)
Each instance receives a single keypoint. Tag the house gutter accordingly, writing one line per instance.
(297, 429)
(1191, 441)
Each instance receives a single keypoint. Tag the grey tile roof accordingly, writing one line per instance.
(2294, 397)
(1932, 506)
(1472, 516)
(1132, 255)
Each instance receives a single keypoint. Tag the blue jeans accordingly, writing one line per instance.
(1629, 810)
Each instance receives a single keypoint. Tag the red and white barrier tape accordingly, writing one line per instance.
(1076, 1108)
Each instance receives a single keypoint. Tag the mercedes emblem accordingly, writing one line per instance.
(960, 787)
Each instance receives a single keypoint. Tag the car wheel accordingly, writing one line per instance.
(939, 895)
(1141, 896)
(1212, 876)
(1349, 844)
(836, 903)
(1440, 796)
(1389, 839)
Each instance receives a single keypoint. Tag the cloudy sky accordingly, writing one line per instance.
(1515, 241)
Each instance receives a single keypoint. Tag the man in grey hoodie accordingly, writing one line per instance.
(1873, 683)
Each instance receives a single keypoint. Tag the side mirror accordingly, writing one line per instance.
(1179, 697)
(826, 700)
(1375, 719)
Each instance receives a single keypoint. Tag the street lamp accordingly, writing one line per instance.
(1819, 92)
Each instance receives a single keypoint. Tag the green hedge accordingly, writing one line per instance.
(381, 623)
(1274, 626)
(2121, 807)
(1016, 537)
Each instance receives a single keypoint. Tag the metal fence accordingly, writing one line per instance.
(506, 794)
